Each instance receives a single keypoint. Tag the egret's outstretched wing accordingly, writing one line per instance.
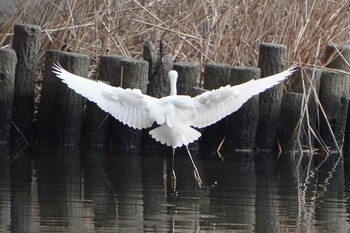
(214, 105)
(129, 106)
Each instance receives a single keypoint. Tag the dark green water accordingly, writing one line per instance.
(95, 191)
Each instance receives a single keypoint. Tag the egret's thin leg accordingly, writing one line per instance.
(173, 176)
(195, 171)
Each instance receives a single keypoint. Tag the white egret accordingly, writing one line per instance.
(175, 114)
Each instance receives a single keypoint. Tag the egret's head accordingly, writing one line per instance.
(172, 76)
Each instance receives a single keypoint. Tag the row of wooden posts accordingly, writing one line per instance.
(275, 117)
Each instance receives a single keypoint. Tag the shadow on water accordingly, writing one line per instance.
(92, 190)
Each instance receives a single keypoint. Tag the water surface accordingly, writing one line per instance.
(72, 190)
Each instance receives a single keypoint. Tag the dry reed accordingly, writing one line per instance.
(226, 31)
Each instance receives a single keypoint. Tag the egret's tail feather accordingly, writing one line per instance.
(175, 136)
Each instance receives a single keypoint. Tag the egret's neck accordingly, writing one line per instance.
(173, 79)
(173, 90)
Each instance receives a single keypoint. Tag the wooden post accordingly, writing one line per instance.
(8, 62)
(215, 76)
(290, 120)
(334, 97)
(304, 79)
(194, 91)
(60, 111)
(6, 182)
(272, 60)
(339, 60)
(98, 126)
(307, 82)
(242, 125)
(109, 69)
(151, 55)
(159, 67)
(135, 75)
(26, 43)
(188, 73)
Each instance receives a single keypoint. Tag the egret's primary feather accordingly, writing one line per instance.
(126, 105)
(216, 104)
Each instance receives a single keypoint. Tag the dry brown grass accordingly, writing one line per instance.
(227, 31)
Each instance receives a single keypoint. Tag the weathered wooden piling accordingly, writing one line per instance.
(8, 62)
(334, 97)
(135, 75)
(188, 74)
(26, 43)
(150, 54)
(307, 82)
(272, 60)
(98, 126)
(290, 121)
(242, 125)
(194, 91)
(341, 61)
(60, 112)
(159, 66)
(215, 76)
(306, 79)
(339, 57)
(109, 69)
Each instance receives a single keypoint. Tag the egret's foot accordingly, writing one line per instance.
(197, 177)
(173, 180)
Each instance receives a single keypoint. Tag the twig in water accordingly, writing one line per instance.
(24, 138)
(103, 121)
(219, 148)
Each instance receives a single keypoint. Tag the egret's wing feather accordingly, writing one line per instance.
(129, 106)
(214, 105)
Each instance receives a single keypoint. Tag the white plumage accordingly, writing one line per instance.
(176, 114)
